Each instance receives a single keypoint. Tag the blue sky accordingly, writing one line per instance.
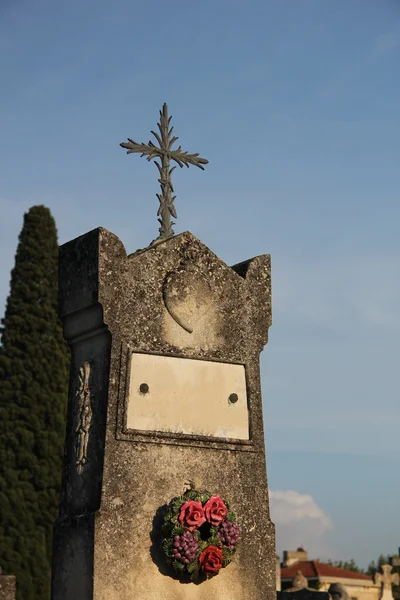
(296, 106)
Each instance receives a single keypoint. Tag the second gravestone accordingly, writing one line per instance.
(165, 462)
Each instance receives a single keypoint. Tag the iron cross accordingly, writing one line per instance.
(165, 153)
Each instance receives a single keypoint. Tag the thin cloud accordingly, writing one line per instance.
(299, 521)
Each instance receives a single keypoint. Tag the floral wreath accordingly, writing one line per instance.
(199, 535)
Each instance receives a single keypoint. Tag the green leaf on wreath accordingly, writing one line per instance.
(177, 503)
(214, 541)
(172, 520)
(202, 545)
(177, 530)
(195, 575)
(192, 494)
(204, 497)
(193, 566)
(227, 554)
(231, 517)
(226, 562)
(167, 546)
(178, 566)
(168, 549)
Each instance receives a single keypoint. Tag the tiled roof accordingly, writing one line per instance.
(314, 568)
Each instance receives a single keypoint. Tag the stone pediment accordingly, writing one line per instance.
(197, 301)
(176, 294)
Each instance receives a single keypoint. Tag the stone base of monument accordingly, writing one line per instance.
(164, 396)
(7, 586)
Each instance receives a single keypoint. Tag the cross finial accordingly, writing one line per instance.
(387, 578)
(165, 153)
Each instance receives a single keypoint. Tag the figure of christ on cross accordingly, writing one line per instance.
(165, 153)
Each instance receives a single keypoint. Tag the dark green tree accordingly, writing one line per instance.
(396, 588)
(349, 565)
(374, 567)
(34, 361)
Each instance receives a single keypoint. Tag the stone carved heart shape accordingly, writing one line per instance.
(187, 296)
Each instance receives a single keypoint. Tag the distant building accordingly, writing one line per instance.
(321, 575)
(291, 557)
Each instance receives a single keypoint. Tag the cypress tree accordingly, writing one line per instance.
(34, 364)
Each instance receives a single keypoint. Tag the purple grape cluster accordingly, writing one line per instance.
(185, 547)
(229, 534)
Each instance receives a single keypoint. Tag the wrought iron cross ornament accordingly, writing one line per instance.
(165, 153)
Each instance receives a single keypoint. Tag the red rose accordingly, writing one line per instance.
(211, 560)
(191, 515)
(215, 510)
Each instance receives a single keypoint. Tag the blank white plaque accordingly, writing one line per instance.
(187, 396)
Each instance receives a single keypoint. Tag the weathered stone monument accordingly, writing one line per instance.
(164, 417)
(337, 591)
(387, 579)
(299, 583)
(300, 590)
(302, 594)
(7, 586)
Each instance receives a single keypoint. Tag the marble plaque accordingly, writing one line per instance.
(182, 395)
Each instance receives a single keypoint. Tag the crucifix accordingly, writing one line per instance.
(165, 154)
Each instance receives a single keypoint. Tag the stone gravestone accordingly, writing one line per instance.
(303, 594)
(387, 579)
(7, 586)
(164, 397)
(300, 591)
(337, 591)
(299, 583)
